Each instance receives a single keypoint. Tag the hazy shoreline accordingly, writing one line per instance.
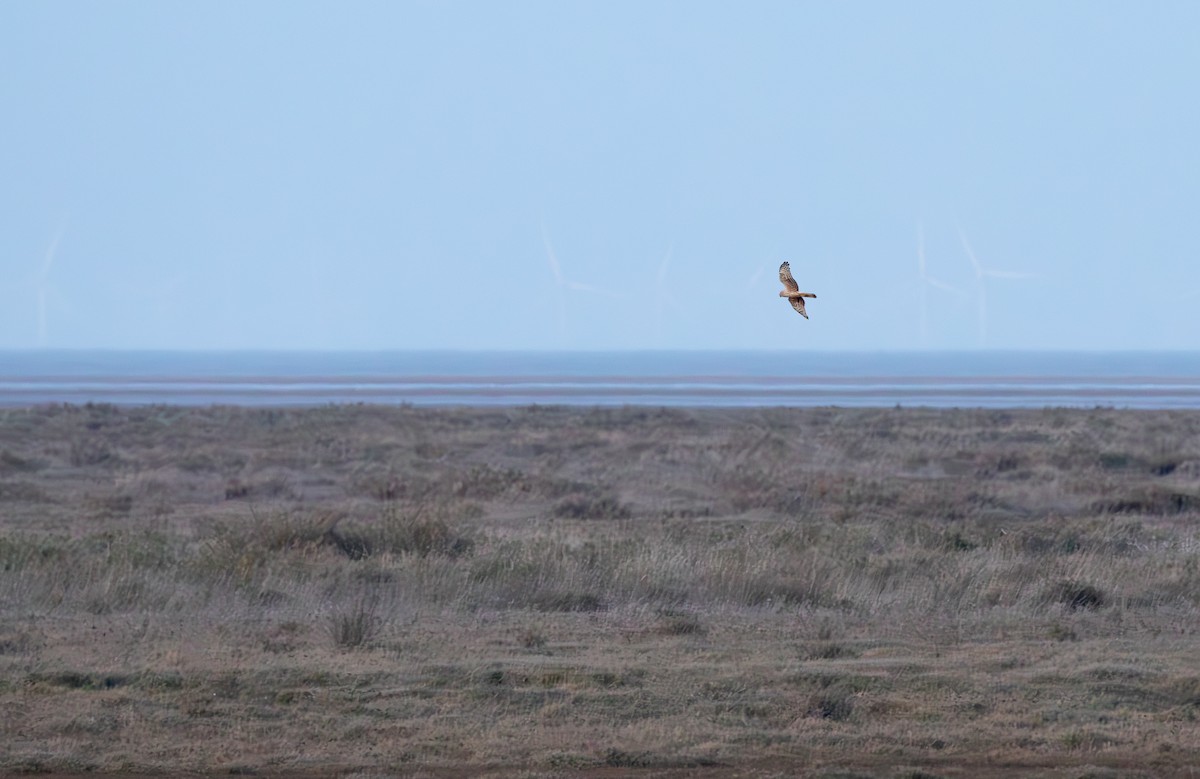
(678, 379)
(678, 392)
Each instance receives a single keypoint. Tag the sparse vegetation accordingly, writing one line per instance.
(575, 590)
(357, 625)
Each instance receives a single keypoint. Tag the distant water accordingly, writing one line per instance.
(939, 379)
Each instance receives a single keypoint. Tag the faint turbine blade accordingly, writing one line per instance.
(41, 311)
(559, 287)
(754, 278)
(982, 271)
(924, 302)
(43, 282)
(970, 253)
(921, 249)
(48, 260)
(665, 265)
(944, 287)
(550, 256)
(982, 314)
(924, 295)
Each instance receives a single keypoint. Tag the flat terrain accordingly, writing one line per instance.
(376, 591)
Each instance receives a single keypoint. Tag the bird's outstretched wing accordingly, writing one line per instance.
(785, 275)
(798, 304)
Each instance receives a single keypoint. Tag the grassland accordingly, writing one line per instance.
(374, 591)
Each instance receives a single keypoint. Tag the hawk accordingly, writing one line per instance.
(791, 290)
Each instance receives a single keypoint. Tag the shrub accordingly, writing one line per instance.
(679, 624)
(531, 638)
(87, 452)
(356, 626)
(422, 532)
(591, 507)
(559, 600)
(828, 650)
(14, 462)
(835, 703)
(1076, 596)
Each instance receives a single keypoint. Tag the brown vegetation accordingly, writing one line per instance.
(554, 591)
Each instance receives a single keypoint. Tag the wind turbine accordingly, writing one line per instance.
(663, 298)
(981, 274)
(565, 285)
(42, 286)
(320, 301)
(927, 281)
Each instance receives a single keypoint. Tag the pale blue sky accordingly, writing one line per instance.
(387, 175)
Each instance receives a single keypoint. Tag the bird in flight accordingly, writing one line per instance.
(791, 290)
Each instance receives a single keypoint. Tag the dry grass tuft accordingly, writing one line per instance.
(357, 625)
